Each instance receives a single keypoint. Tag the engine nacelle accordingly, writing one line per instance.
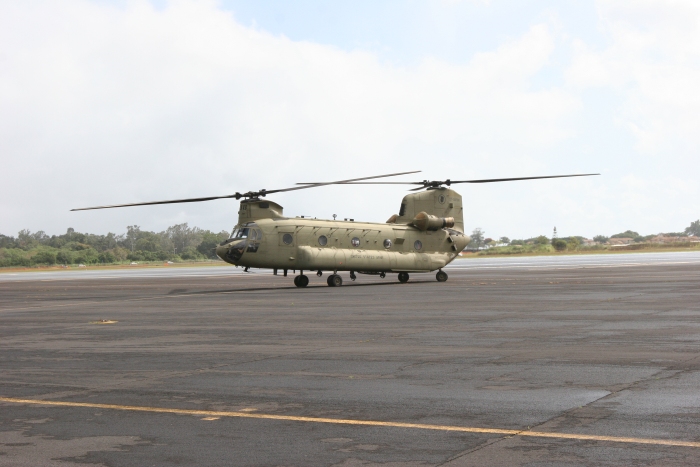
(424, 221)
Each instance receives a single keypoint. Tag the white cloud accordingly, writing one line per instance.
(104, 105)
(101, 105)
(653, 62)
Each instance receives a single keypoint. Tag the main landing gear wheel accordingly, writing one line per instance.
(301, 281)
(334, 280)
(441, 276)
(403, 277)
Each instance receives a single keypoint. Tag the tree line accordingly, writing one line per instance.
(479, 239)
(176, 243)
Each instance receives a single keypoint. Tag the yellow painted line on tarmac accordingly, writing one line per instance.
(210, 414)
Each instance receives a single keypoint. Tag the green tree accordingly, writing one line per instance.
(191, 253)
(7, 242)
(44, 257)
(601, 239)
(148, 241)
(106, 257)
(572, 243)
(183, 236)
(14, 257)
(64, 257)
(626, 234)
(210, 241)
(25, 240)
(132, 234)
(693, 229)
(559, 244)
(541, 240)
(87, 256)
(477, 236)
(504, 240)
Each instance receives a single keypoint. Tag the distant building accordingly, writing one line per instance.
(620, 241)
(669, 239)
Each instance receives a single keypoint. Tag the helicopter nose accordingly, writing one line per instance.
(231, 252)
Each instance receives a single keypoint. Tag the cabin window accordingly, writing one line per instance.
(355, 242)
(417, 244)
(387, 243)
(402, 211)
(287, 239)
(323, 240)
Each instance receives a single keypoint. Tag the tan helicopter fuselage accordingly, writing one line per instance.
(426, 235)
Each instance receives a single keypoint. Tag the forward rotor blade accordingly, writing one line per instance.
(171, 201)
(241, 195)
(490, 180)
(367, 183)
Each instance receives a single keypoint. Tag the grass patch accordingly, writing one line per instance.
(548, 250)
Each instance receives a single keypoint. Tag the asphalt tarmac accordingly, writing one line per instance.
(590, 360)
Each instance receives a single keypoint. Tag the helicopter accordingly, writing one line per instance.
(425, 236)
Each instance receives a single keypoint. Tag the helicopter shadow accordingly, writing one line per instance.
(316, 288)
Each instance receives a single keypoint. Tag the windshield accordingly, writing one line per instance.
(249, 230)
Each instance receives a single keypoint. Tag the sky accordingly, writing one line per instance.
(109, 102)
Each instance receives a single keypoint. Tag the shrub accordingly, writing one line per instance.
(541, 240)
(190, 254)
(106, 257)
(44, 257)
(64, 257)
(13, 257)
(559, 244)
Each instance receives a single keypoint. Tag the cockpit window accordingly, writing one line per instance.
(402, 211)
(249, 230)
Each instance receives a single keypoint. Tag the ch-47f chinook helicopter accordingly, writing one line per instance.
(425, 236)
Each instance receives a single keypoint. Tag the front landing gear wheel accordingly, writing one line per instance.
(334, 280)
(403, 277)
(301, 281)
(441, 276)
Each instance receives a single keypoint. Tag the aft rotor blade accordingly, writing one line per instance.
(241, 195)
(435, 183)
(491, 180)
(339, 182)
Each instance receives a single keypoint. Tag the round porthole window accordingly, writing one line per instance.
(387, 243)
(355, 242)
(417, 244)
(323, 240)
(287, 239)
